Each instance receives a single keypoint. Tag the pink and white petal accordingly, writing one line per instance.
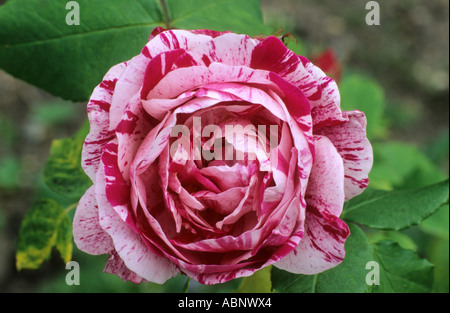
(224, 202)
(88, 235)
(321, 248)
(326, 101)
(295, 101)
(184, 79)
(221, 277)
(117, 190)
(285, 223)
(304, 143)
(164, 177)
(326, 183)
(272, 55)
(158, 109)
(130, 132)
(174, 39)
(127, 86)
(321, 91)
(351, 143)
(207, 32)
(246, 204)
(280, 157)
(160, 65)
(228, 48)
(301, 131)
(116, 266)
(130, 247)
(235, 91)
(227, 177)
(98, 110)
(152, 146)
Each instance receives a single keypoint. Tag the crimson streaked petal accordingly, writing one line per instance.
(326, 183)
(116, 266)
(88, 235)
(351, 142)
(130, 247)
(98, 109)
(322, 246)
(126, 87)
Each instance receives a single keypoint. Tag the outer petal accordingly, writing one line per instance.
(116, 266)
(350, 141)
(326, 101)
(323, 245)
(326, 183)
(228, 48)
(130, 132)
(87, 232)
(321, 248)
(98, 110)
(129, 245)
(322, 92)
(172, 40)
(128, 85)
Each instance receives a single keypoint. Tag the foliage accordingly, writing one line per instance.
(37, 31)
(407, 186)
(46, 225)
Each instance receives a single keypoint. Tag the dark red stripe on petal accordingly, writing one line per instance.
(109, 85)
(117, 190)
(162, 64)
(363, 183)
(296, 102)
(206, 60)
(185, 60)
(102, 105)
(272, 55)
(158, 30)
(128, 124)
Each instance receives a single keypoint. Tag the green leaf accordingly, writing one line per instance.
(186, 285)
(349, 276)
(259, 282)
(399, 270)
(403, 240)
(222, 15)
(397, 209)
(363, 94)
(63, 173)
(45, 226)
(36, 44)
(402, 165)
(438, 223)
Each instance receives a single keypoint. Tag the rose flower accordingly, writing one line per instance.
(215, 154)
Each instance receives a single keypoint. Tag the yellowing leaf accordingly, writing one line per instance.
(45, 226)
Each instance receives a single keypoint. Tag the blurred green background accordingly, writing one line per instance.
(396, 72)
